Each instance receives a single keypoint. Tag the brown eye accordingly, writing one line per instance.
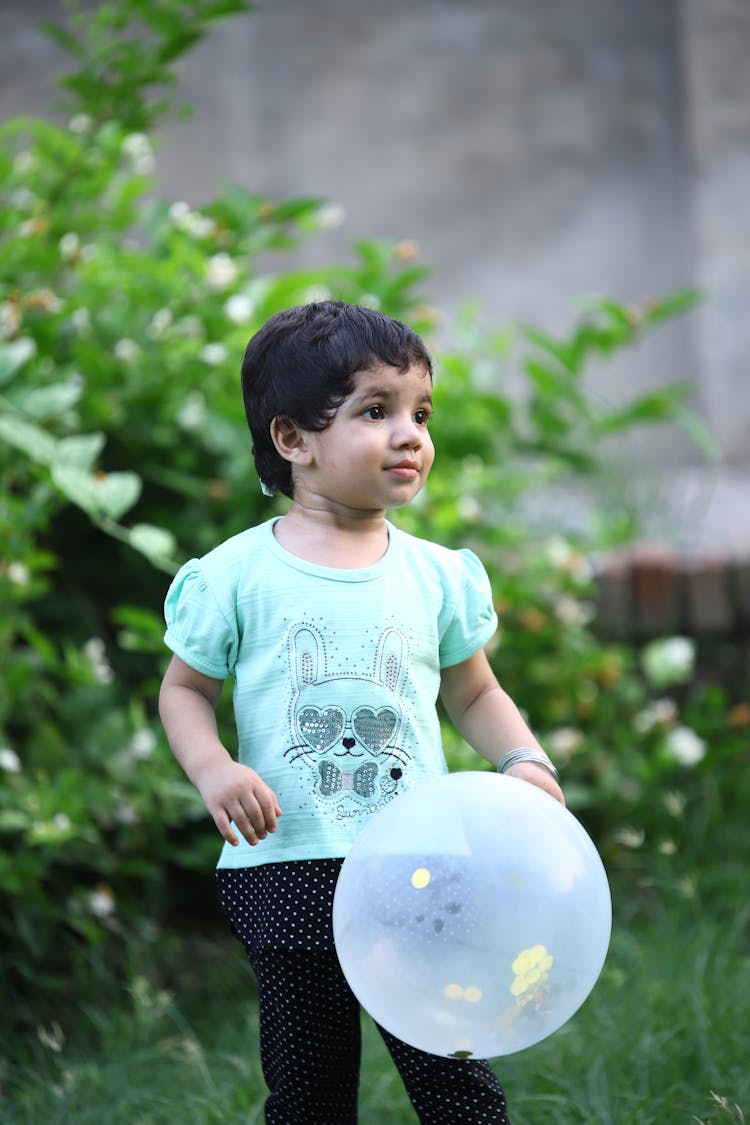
(375, 413)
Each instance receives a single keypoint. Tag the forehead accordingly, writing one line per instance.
(384, 379)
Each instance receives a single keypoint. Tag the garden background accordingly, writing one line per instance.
(124, 310)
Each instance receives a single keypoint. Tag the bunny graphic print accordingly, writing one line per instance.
(347, 731)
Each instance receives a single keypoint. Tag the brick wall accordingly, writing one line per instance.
(652, 591)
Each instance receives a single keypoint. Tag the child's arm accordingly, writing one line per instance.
(489, 720)
(230, 791)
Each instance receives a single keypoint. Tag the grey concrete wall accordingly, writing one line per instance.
(537, 153)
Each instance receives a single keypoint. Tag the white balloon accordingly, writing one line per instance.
(472, 915)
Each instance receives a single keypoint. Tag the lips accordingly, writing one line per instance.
(405, 470)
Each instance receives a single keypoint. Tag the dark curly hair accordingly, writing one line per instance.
(302, 364)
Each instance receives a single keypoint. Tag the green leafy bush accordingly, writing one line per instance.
(123, 450)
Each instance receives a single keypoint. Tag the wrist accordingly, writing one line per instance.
(526, 754)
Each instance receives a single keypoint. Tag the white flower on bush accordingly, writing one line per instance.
(161, 321)
(142, 744)
(221, 272)
(562, 555)
(190, 326)
(95, 652)
(18, 573)
(685, 746)
(137, 148)
(215, 354)
(563, 742)
(669, 661)
(126, 349)
(675, 803)
(25, 162)
(239, 308)
(469, 509)
(659, 713)
(573, 613)
(193, 412)
(9, 760)
(10, 318)
(101, 902)
(80, 124)
(630, 837)
(81, 319)
(192, 222)
(62, 822)
(69, 246)
(330, 216)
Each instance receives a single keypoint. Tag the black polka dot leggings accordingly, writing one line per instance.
(310, 1044)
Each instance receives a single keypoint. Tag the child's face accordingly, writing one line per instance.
(376, 453)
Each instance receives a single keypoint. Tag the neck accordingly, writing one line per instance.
(344, 540)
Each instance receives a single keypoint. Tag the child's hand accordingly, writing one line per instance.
(539, 776)
(233, 792)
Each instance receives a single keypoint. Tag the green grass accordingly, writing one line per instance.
(664, 1038)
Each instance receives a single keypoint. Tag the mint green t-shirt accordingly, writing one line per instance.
(336, 673)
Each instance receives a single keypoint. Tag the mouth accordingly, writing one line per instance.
(404, 470)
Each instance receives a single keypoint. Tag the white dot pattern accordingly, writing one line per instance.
(310, 1036)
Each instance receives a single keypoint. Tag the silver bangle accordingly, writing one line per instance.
(526, 754)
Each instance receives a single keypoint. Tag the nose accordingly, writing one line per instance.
(407, 434)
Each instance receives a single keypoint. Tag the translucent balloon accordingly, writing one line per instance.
(472, 916)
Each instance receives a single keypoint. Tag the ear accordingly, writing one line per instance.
(289, 440)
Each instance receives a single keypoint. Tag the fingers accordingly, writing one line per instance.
(245, 803)
(537, 775)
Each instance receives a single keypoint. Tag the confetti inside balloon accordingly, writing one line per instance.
(472, 916)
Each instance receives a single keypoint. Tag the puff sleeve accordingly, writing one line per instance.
(199, 630)
(469, 619)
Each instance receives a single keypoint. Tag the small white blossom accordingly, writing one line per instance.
(193, 412)
(630, 837)
(52, 1037)
(469, 509)
(667, 847)
(183, 216)
(669, 661)
(239, 308)
(126, 349)
(572, 612)
(62, 822)
(190, 326)
(95, 652)
(330, 216)
(9, 760)
(137, 148)
(221, 272)
(24, 162)
(18, 573)
(127, 814)
(102, 902)
(659, 713)
(10, 318)
(142, 744)
(161, 321)
(563, 742)
(675, 803)
(685, 746)
(81, 319)
(215, 354)
(69, 246)
(22, 198)
(80, 124)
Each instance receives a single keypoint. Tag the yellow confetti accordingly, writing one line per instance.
(472, 994)
(420, 878)
(453, 991)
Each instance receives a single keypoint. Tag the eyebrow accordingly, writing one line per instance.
(378, 392)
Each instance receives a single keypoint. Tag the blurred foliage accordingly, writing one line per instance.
(123, 450)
